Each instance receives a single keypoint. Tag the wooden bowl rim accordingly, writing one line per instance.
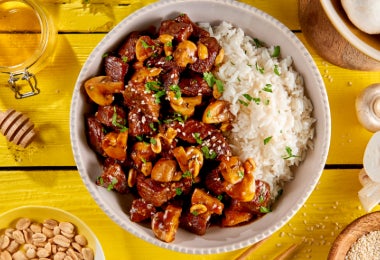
(349, 235)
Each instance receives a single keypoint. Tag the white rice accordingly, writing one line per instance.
(284, 115)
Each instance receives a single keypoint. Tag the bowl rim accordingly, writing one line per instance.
(352, 232)
(346, 32)
(79, 223)
(75, 134)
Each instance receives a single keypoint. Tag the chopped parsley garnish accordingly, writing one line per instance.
(195, 213)
(220, 197)
(124, 59)
(152, 86)
(178, 191)
(115, 122)
(207, 153)
(268, 88)
(187, 174)
(248, 96)
(152, 126)
(146, 45)
(266, 140)
(100, 181)
(112, 184)
(276, 71)
(289, 153)
(177, 91)
(258, 43)
(243, 103)
(259, 69)
(264, 209)
(105, 55)
(276, 51)
(153, 141)
(197, 137)
(170, 57)
(211, 81)
(261, 199)
(241, 174)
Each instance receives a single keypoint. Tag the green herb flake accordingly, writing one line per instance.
(195, 213)
(209, 78)
(261, 199)
(257, 100)
(248, 97)
(219, 86)
(258, 43)
(152, 86)
(158, 96)
(289, 153)
(145, 45)
(243, 103)
(124, 59)
(220, 197)
(276, 51)
(111, 186)
(266, 140)
(276, 70)
(152, 141)
(177, 91)
(264, 209)
(100, 180)
(105, 55)
(259, 69)
(152, 126)
(207, 153)
(197, 137)
(115, 121)
(241, 174)
(187, 174)
(268, 88)
(178, 191)
(169, 58)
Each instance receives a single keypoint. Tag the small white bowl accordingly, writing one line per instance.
(257, 24)
(40, 213)
(366, 43)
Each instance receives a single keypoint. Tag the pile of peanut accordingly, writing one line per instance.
(47, 240)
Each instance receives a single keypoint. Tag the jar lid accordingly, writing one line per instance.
(27, 36)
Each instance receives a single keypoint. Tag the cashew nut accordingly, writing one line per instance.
(165, 224)
(217, 112)
(164, 170)
(185, 53)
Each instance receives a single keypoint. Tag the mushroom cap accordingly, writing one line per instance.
(364, 14)
(368, 107)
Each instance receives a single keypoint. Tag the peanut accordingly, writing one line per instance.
(48, 240)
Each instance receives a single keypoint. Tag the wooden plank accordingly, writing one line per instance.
(314, 227)
(102, 16)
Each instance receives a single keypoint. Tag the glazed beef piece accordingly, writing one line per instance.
(159, 193)
(260, 201)
(139, 123)
(213, 142)
(196, 224)
(198, 32)
(113, 177)
(111, 116)
(136, 97)
(95, 134)
(179, 30)
(128, 48)
(214, 182)
(116, 68)
(194, 84)
(141, 210)
(213, 48)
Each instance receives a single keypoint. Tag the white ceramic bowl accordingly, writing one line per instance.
(256, 23)
(40, 213)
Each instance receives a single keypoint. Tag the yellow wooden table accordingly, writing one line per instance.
(45, 174)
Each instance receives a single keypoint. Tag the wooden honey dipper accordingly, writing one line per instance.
(17, 127)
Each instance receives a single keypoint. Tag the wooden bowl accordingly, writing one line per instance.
(320, 31)
(355, 230)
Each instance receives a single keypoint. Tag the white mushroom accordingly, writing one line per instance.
(368, 108)
(369, 176)
(364, 14)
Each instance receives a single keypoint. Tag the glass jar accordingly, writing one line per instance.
(27, 38)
